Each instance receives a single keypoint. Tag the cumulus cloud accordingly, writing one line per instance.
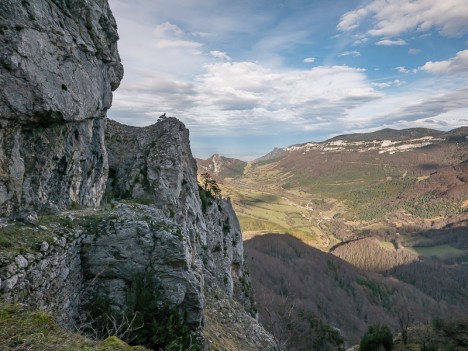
(309, 59)
(457, 64)
(350, 53)
(395, 83)
(402, 69)
(392, 18)
(390, 42)
(244, 96)
(220, 55)
(248, 85)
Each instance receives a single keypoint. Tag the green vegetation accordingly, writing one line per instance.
(205, 198)
(439, 335)
(258, 225)
(325, 337)
(440, 251)
(145, 321)
(208, 191)
(377, 337)
(429, 206)
(25, 329)
(163, 327)
(210, 186)
(262, 212)
(369, 203)
(19, 238)
(381, 294)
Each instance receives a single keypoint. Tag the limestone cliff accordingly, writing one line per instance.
(58, 66)
(154, 165)
(196, 248)
(153, 241)
(155, 252)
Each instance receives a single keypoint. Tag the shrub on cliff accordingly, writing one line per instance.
(377, 337)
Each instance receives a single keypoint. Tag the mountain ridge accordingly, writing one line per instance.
(397, 136)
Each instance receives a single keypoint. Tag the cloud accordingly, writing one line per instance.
(389, 84)
(402, 69)
(389, 42)
(392, 18)
(457, 64)
(349, 53)
(432, 106)
(248, 97)
(248, 85)
(167, 28)
(169, 36)
(309, 59)
(414, 51)
(359, 39)
(220, 55)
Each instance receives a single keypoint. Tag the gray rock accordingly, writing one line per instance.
(58, 67)
(154, 165)
(21, 262)
(12, 268)
(29, 218)
(61, 242)
(44, 246)
(9, 284)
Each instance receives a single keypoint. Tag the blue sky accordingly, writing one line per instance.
(249, 75)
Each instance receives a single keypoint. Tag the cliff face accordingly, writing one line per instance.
(154, 165)
(158, 253)
(58, 67)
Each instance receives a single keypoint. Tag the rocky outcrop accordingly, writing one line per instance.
(160, 244)
(154, 165)
(48, 275)
(58, 67)
(190, 246)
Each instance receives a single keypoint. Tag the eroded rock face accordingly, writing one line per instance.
(140, 242)
(154, 165)
(58, 67)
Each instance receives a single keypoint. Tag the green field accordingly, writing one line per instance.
(387, 245)
(263, 212)
(439, 251)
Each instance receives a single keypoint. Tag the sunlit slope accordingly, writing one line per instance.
(328, 192)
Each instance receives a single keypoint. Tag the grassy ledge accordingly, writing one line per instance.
(24, 329)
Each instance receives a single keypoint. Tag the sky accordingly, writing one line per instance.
(246, 76)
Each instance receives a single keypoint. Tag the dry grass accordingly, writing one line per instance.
(22, 329)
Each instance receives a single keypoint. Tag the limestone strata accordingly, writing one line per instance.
(58, 67)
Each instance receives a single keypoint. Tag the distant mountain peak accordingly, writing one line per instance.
(221, 166)
(386, 140)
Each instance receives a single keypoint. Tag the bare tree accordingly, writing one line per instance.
(405, 319)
